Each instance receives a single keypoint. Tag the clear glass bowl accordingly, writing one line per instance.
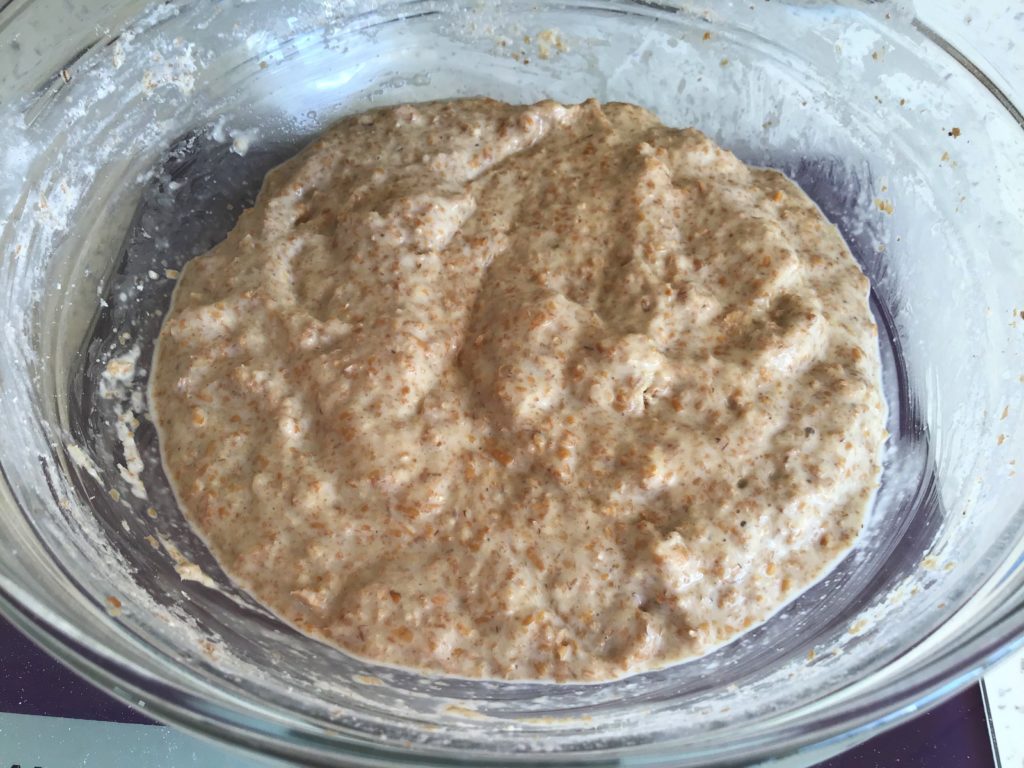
(133, 135)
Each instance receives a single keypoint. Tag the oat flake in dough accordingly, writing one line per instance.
(547, 391)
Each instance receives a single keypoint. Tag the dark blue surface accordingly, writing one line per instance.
(954, 733)
(32, 683)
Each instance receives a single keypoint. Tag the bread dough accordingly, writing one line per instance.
(547, 392)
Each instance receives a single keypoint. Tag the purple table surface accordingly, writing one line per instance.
(955, 733)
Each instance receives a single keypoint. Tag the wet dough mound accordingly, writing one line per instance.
(552, 392)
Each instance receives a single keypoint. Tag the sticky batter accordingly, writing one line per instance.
(549, 392)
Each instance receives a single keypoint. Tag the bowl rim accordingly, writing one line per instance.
(231, 721)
